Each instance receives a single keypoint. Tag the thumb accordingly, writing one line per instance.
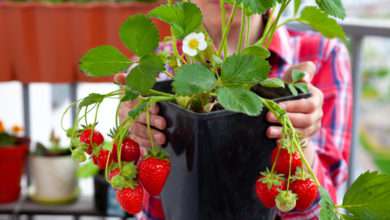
(309, 68)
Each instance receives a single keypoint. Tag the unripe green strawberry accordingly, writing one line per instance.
(286, 201)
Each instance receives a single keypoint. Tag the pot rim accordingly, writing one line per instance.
(223, 113)
(22, 142)
(52, 157)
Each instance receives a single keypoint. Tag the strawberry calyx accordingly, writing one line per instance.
(285, 143)
(89, 126)
(286, 200)
(300, 174)
(96, 150)
(270, 178)
(125, 178)
(129, 170)
(157, 152)
(78, 155)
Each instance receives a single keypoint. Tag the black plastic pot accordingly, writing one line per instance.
(216, 158)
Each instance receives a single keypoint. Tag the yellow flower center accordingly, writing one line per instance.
(193, 44)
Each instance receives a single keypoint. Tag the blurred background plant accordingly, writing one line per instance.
(8, 138)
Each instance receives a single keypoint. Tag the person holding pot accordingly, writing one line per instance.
(325, 119)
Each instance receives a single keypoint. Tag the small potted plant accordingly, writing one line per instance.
(215, 106)
(53, 174)
(13, 153)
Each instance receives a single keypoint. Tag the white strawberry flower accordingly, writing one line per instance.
(193, 43)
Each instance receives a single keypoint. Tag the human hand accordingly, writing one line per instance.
(305, 114)
(138, 132)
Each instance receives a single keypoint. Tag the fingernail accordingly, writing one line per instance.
(283, 106)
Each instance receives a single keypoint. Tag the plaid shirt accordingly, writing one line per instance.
(333, 139)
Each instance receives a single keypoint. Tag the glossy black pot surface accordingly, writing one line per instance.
(216, 158)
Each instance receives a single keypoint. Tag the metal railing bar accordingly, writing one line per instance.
(356, 54)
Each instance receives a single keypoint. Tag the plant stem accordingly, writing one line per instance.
(223, 14)
(174, 40)
(288, 20)
(289, 173)
(283, 119)
(242, 30)
(247, 31)
(149, 130)
(266, 29)
(156, 92)
(275, 23)
(226, 31)
(276, 160)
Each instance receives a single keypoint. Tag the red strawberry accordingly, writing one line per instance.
(97, 139)
(101, 159)
(267, 188)
(130, 199)
(283, 160)
(306, 191)
(154, 171)
(130, 151)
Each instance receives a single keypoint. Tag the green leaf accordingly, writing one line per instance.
(257, 51)
(256, 6)
(244, 69)
(92, 98)
(297, 75)
(103, 61)
(184, 17)
(192, 79)
(139, 35)
(138, 109)
(88, 169)
(369, 197)
(272, 83)
(239, 100)
(129, 95)
(328, 209)
(332, 7)
(297, 5)
(302, 87)
(321, 22)
(292, 89)
(142, 77)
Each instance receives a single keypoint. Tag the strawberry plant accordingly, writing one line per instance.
(9, 138)
(205, 78)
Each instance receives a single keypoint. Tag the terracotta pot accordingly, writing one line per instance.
(5, 59)
(47, 40)
(12, 161)
(54, 179)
